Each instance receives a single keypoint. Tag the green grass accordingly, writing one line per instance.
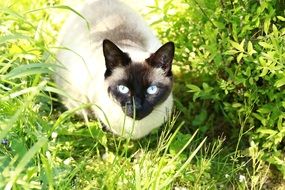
(45, 147)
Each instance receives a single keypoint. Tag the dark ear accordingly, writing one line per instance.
(163, 58)
(114, 57)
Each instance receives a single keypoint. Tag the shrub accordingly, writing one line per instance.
(228, 55)
(230, 62)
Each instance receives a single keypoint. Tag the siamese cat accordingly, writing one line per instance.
(117, 65)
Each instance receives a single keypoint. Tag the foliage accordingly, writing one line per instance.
(231, 59)
(229, 78)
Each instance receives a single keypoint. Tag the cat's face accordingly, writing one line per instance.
(138, 87)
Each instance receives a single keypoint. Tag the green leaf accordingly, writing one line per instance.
(250, 49)
(200, 118)
(236, 105)
(280, 82)
(281, 18)
(266, 131)
(237, 45)
(239, 57)
(264, 72)
(193, 88)
(266, 25)
(265, 45)
(283, 104)
(195, 96)
(219, 25)
(275, 30)
(231, 52)
(260, 118)
(178, 143)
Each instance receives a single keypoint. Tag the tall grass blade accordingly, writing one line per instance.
(30, 69)
(4, 39)
(25, 160)
(63, 7)
(172, 178)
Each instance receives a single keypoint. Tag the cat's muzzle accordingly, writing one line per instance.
(136, 109)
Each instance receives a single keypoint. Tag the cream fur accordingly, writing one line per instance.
(84, 66)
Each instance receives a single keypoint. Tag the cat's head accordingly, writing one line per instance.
(138, 87)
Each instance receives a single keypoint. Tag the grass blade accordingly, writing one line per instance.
(25, 160)
(30, 69)
(170, 179)
(4, 39)
(63, 7)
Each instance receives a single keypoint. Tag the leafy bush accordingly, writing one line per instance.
(229, 78)
(231, 60)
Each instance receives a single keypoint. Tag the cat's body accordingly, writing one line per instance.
(123, 81)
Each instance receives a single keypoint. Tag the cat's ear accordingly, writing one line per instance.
(114, 57)
(163, 58)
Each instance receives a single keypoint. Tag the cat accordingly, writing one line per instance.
(116, 64)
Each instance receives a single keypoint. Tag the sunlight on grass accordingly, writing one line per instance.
(211, 141)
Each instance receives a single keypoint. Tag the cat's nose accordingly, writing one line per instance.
(138, 104)
(135, 109)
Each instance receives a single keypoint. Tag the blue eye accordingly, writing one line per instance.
(123, 89)
(152, 89)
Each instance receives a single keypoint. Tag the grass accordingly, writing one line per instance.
(45, 147)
